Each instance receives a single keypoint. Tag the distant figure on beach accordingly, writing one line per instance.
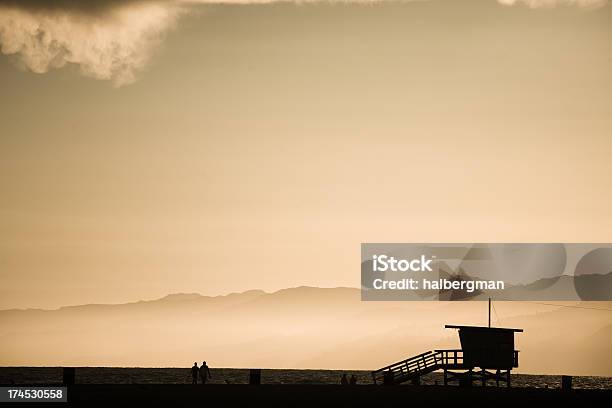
(344, 380)
(204, 372)
(194, 373)
(353, 380)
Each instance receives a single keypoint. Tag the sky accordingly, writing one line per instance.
(156, 147)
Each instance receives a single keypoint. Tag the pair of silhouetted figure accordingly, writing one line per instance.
(345, 381)
(203, 372)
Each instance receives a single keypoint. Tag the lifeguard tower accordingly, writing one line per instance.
(486, 353)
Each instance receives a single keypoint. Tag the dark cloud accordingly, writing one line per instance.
(85, 6)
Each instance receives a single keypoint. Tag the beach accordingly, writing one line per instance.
(126, 376)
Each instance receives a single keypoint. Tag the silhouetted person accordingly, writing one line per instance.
(204, 372)
(194, 373)
(344, 380)
(353, 380)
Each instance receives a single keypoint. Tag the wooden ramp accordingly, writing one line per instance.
(413, 368)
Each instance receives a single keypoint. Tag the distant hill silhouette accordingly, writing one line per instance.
(302, 327)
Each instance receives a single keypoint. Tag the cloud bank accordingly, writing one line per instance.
(106, 40)
(115, 39)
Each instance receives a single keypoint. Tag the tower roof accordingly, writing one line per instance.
(483, 328)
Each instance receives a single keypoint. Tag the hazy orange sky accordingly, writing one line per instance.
(233, 147)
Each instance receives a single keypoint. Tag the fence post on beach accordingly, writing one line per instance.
(566, 382)
(388, 378)
(255, 376)
(68, 374)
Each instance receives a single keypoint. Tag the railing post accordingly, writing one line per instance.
(68, 375)
(388, 378)
(255, 376)
(566, 382)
